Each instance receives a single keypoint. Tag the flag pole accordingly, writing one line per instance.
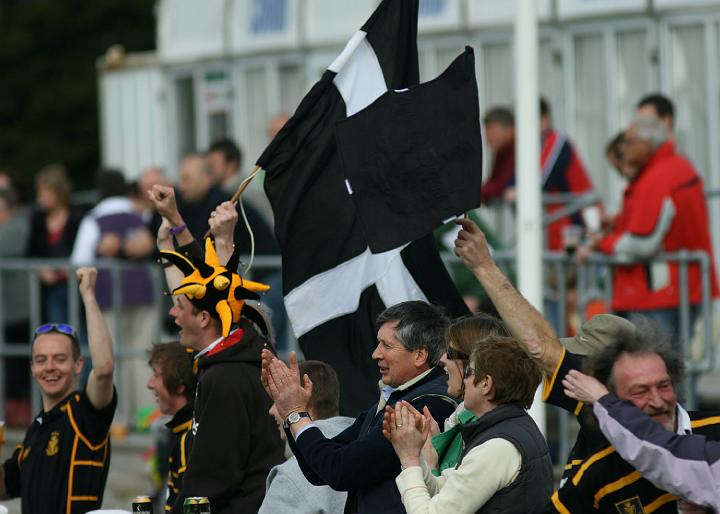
(529, 214)
(242, 187)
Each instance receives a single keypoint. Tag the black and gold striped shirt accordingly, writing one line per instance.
(62, 465)
(180, 442)
(596, 478)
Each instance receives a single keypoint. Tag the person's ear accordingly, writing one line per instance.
(421, 356)
(488, 386)
(79, 363)
(205, 318)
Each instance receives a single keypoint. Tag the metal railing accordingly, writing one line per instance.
(594, 281)
(123, 350)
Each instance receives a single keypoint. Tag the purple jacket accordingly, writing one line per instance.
(685, 465)
(115, 214)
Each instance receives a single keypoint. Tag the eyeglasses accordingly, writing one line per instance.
(469, 372)
(60, 328)
(454, 354)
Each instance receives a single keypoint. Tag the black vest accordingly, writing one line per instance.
(529, 491)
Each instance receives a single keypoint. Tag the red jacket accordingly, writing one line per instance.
(665, 176)
(502, 174)
(562, 172)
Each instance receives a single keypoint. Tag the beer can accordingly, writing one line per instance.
(196, 505)
(142, 504)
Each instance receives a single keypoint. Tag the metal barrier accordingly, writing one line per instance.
(123, 352)
(597, 271)
(594, 281)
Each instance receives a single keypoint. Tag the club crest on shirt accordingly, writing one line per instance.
(630, 506)
(195, 426)
(53, 446)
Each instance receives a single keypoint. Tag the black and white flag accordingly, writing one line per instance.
(334, 286)
(413, 158)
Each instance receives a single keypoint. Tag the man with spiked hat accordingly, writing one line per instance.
(235, 444)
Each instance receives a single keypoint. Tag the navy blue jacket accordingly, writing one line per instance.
(360, 460)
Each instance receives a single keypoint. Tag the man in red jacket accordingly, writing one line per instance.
(664, 210)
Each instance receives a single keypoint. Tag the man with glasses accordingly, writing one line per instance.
(62, 464)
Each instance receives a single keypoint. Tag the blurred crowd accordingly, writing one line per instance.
(116, 220)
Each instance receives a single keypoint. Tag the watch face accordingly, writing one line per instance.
(294, 417)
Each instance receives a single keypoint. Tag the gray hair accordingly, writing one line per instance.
(646, 337)
(419, 325)
(650, 128)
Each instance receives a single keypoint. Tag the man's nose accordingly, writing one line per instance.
(656, 400)
(376, 354)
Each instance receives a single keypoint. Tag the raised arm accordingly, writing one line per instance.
(222, 226)
(100, 381)
(173, 276)
(523, 320)
(164, 199)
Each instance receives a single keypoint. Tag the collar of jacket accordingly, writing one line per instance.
(495, 416)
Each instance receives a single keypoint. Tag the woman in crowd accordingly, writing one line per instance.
(462, 336)
(54, 225)
(505, 465)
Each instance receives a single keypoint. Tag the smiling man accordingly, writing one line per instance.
(410, 342)
(173, 384)
(62, 464)
(633, 359)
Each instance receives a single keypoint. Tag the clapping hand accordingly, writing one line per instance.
(284, 385)
(407, 430)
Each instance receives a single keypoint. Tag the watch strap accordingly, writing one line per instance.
(300, 415)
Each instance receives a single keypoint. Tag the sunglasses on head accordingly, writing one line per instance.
(454, 354)
(60, 328)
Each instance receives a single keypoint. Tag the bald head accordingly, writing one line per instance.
(195, 177)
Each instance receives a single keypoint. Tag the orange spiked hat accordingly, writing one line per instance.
(217, 289)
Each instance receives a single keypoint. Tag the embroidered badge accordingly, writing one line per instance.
(630, 506)
(53, 446)
(195, 426)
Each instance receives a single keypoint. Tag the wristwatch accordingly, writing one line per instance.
(294, 417)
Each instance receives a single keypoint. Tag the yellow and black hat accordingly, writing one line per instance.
(213, 287)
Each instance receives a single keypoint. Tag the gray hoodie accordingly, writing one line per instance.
(287, 489)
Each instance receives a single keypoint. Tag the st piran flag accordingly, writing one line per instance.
(413, 159)
(334, 286)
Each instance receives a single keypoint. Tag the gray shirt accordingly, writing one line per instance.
(287, 489)
(13, 242)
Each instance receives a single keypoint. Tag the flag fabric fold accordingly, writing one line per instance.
(334, 287)
(413, 158)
